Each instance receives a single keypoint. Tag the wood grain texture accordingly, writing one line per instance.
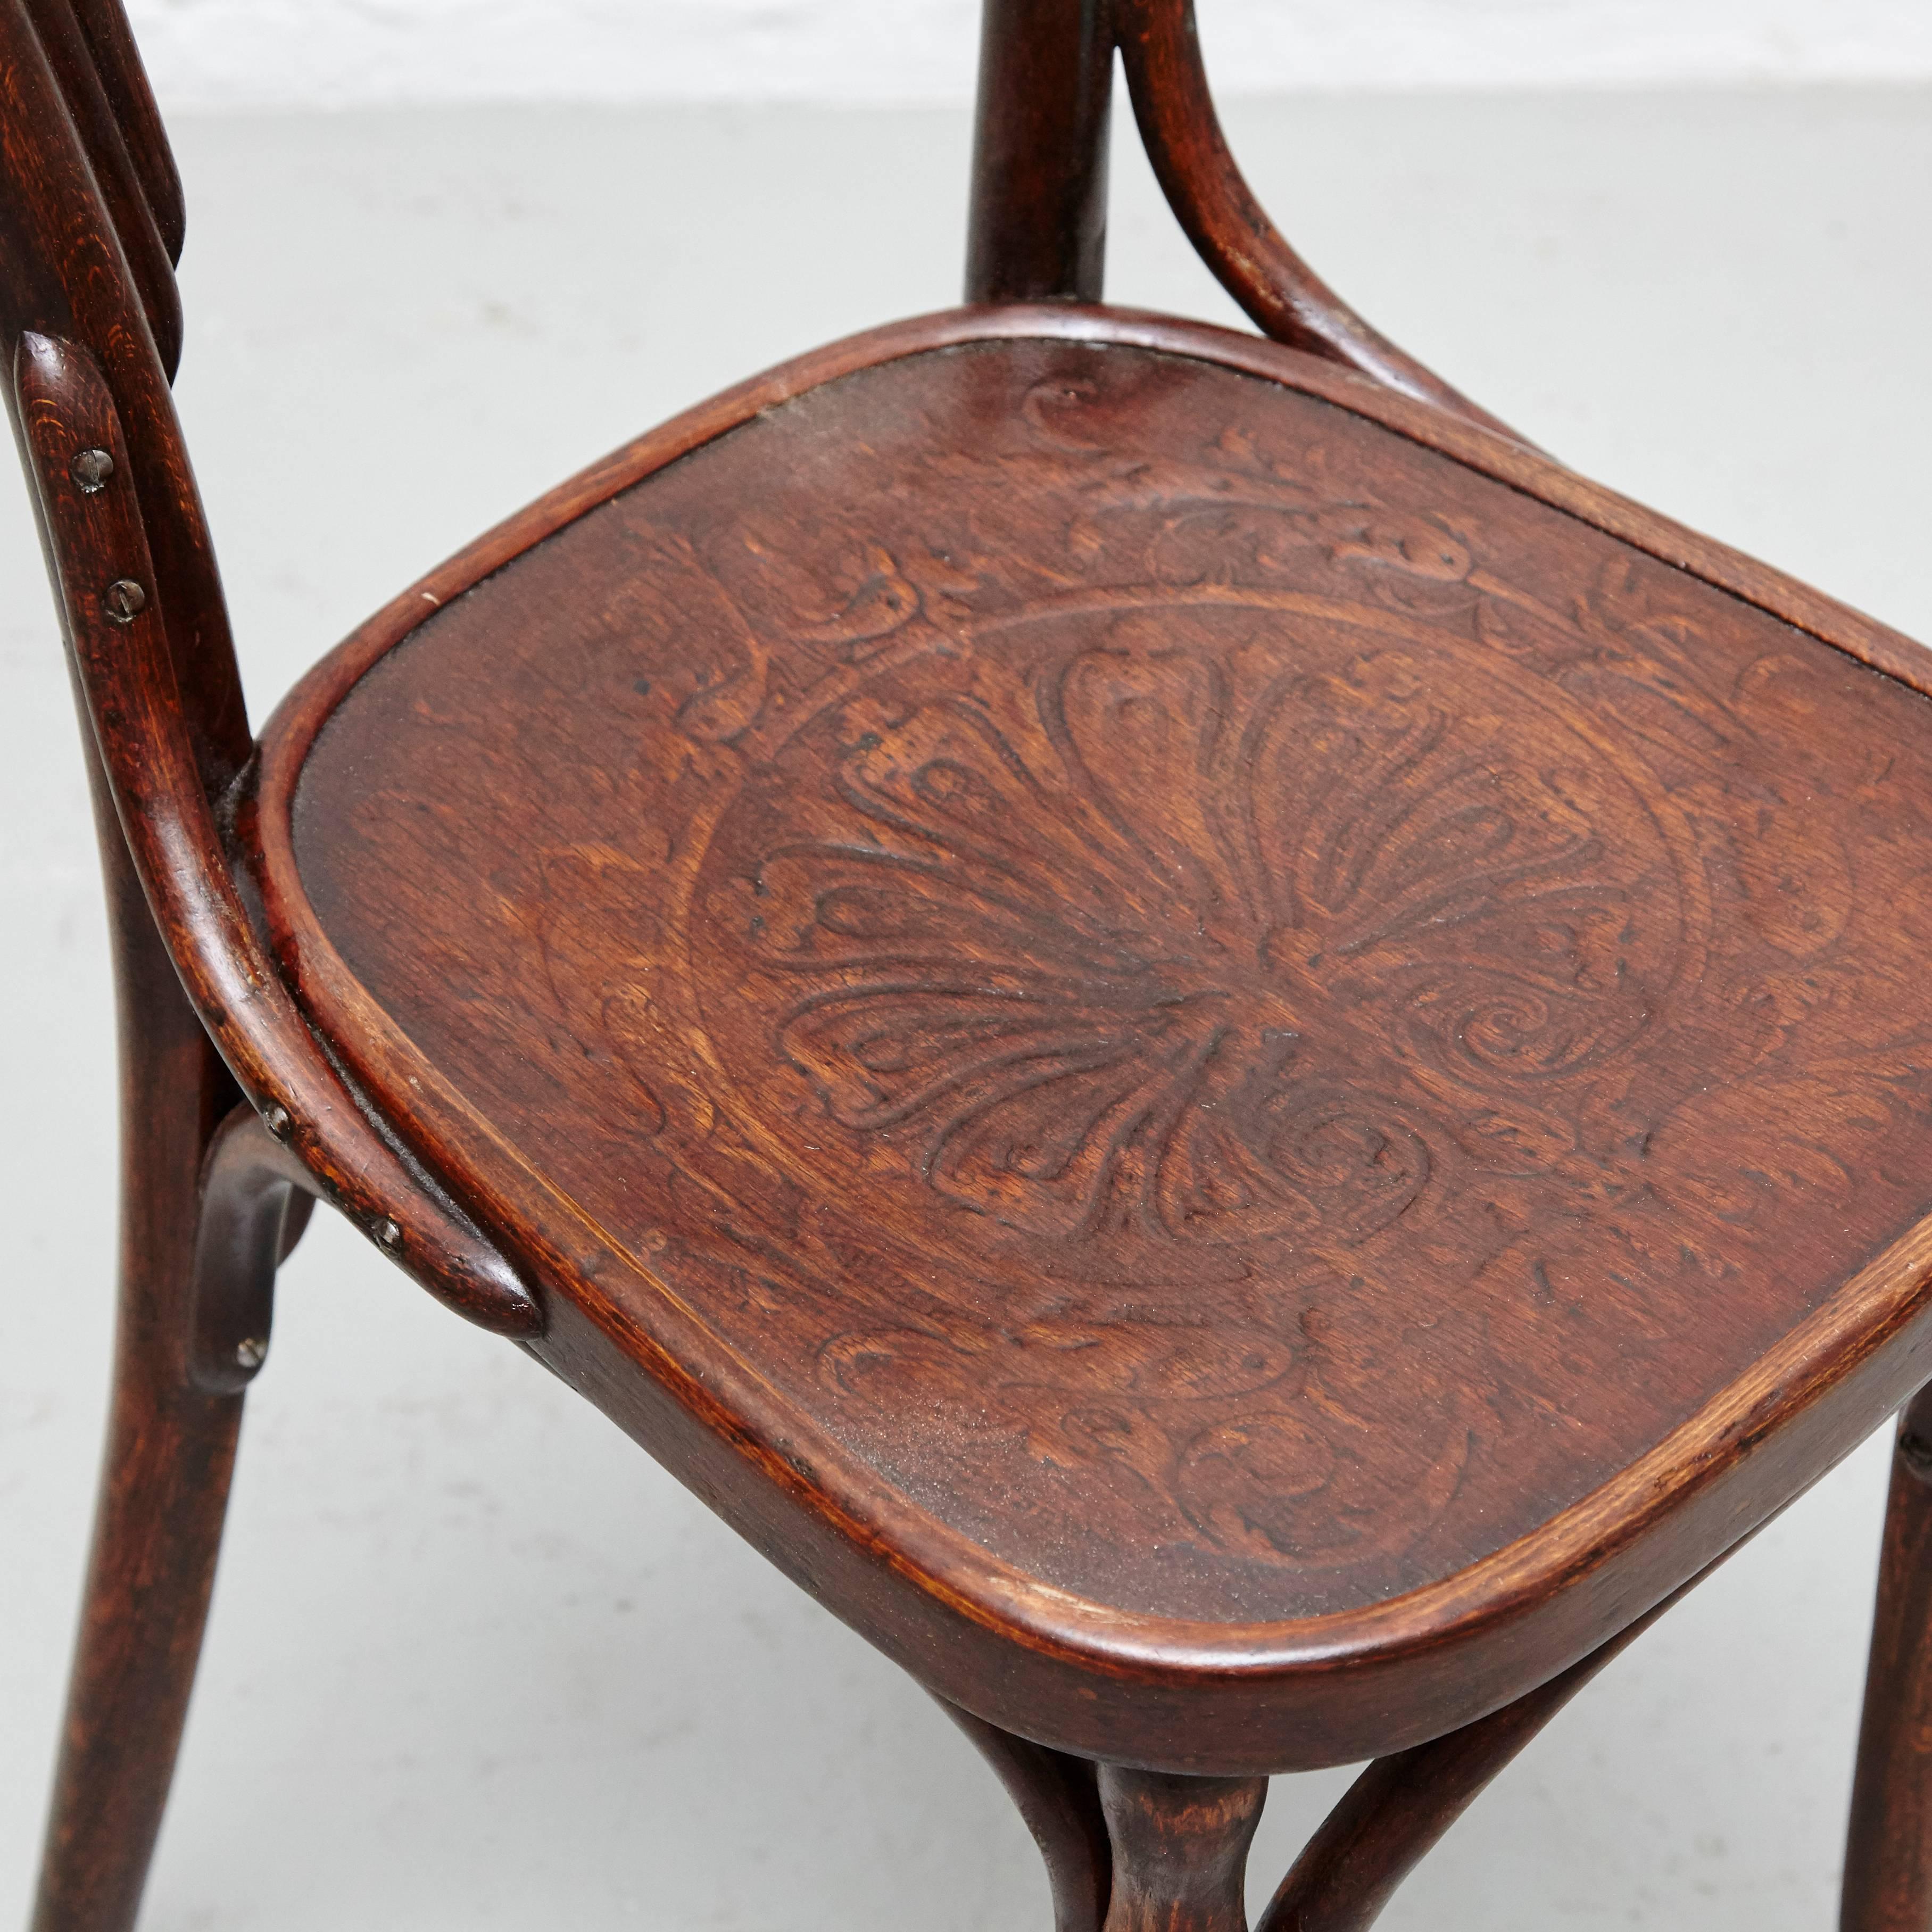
(1888, 1851)
(90, 223)
(205, 1207)
(1036, 225)
(1239, 1066)
(96, 542)
(170, 1451)
(73, 228)
(124, 182)
(1180, 1850)
(1239, 1032)
(117, 62)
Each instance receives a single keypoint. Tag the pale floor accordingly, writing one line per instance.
(474, 1660)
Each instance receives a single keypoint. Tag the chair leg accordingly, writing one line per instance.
(157, 1529)
(169, 1453)
(1888, 1853)
(1180, 1850)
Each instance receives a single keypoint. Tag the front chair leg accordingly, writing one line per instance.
(1180, 1850)
(171, 1439)
(1888, 1853)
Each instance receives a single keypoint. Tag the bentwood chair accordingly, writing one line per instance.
(1241, 1065)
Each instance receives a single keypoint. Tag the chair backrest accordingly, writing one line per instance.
(91, 220)
(91, 227)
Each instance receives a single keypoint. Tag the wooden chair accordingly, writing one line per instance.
(1241, 1066)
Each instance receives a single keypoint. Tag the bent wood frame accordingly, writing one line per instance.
(96, 537)
(1136, 1746)
(89, 331)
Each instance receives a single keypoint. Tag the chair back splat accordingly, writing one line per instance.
(1174, 108)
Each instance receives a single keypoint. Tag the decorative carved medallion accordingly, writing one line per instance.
(1185, 925)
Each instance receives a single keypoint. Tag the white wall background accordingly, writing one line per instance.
(251, 53)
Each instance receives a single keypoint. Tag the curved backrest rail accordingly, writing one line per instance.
(87, 223)
(115, 624)
(1167, 80)
(89, 210)
(125, 80)
(128, 187)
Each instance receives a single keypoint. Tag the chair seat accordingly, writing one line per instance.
(1178, 1015)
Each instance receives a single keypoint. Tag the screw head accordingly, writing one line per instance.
(276, 1120)
(124, 600)
(91, 469)
(251, 1354)
(389, 1234)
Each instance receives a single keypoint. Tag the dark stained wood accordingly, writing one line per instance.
(96, 540)
(137, 119)
(1160, 49)
(1396, 1812)
(1180, 1850)
(1888, 1853)
(170, 1443)
(1037, 225)
(1057, 1797)
(1240, 1066)
(64, 274)
(169, 1450)
(146, 249)
(837, 1053)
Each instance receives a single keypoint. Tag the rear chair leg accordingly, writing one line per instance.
(170, 1451)
(1888, 1855)
(157, 1526)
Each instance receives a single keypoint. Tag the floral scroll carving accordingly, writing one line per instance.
(1181, 974)
(1120, 944)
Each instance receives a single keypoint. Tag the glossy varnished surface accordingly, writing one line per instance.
(1244, 1013)
(1238, 1087)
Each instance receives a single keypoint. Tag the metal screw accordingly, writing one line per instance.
(388, 1233)
(124, 600)
(251, 1354)
(90, 469)
(276, 1120)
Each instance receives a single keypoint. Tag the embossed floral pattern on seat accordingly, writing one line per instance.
(1123, 942)
(1243, 1012)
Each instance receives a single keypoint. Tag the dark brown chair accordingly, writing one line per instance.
(1241, 1066)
